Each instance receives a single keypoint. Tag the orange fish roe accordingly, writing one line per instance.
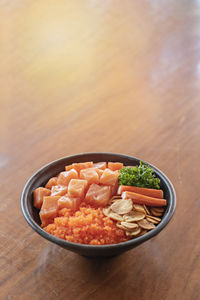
(88, 225)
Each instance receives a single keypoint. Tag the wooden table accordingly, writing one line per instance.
(112, 76)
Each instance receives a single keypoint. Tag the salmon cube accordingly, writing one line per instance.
(109, 177)
(114, 189)
(65, 177)
(100, 172)
(91, 175)
(84, 165)
(114, 166)
(58, 190)
(49, 209)
(69, 167)
(98, 195)
(52, 181)
(77, 187)
(100, 165)
(38, 196)
(69, 202)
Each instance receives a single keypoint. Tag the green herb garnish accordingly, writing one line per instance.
(141, 176)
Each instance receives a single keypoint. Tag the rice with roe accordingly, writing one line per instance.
(88, 225)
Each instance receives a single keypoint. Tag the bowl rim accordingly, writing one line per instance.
(77, 246)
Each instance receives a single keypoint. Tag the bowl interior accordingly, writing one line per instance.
(42, 176)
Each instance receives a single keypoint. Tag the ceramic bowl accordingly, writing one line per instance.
(31, 214)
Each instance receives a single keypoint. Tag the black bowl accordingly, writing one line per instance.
(31, 214)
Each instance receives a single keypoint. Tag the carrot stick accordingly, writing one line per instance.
(142, 199)
(139, 190)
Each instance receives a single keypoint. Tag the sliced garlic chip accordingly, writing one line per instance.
(144, 224)
(139, 208)
(129, 226)
(122, 206)
(143, 231)
(134, 233)
(134, 216)
(153, 220)
(115, 216)
(106, 211)
(156, 212)
(158, 209)
(146, 210)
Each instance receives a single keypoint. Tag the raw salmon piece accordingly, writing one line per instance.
(52, 181)
(77, 187)
(58, 190)
(100, 172)
(91, 175)
(69, 167)
(114, 166)
(109, 177)
(98, 195)
(100, 165)
(84, 165)
(69, 202)
(65, 177)
(49, 209)
(114, 189)
(38, 195)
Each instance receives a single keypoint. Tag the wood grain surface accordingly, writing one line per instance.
(112, 76)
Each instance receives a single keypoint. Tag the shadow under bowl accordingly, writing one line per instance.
(40, 178)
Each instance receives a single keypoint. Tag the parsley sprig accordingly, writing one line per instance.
(141, 176)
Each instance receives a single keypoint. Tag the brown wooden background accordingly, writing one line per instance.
(85, 76)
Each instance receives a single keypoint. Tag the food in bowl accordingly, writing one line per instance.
(100, 203)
